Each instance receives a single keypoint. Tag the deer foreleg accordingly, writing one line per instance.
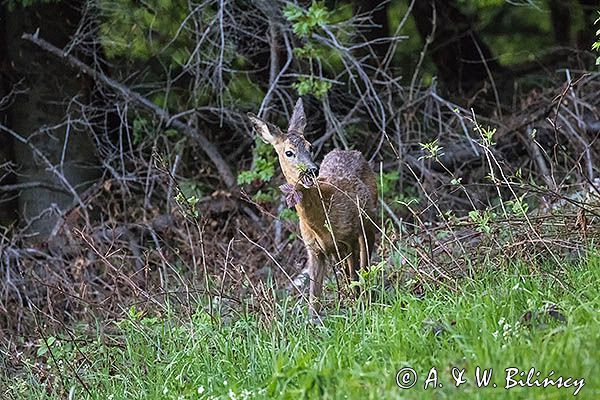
(316, 270)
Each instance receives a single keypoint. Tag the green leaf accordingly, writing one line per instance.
(45, 346)
(312, 85)
(292, 12)
(245, 178)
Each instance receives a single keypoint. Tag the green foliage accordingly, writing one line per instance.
(288, 214)
(154, 28)
(355, 355)
(387, 182)
(188, 196)
(243, 92)
(482, 220)
(370, 279)
(432, 150)
(190, 188)
(188, 204)
(312, 85)
(518, 206)
(596, 44)
(143, 128)
(487, 134)
(329, 57)
(45, 345)
(306, 22)
(246, 177)
(140, 129)
(166, 33)
(170, 99)
(522, 34)
(481, 3)
(399, 201)
(309, 50)
(485, 5)
(263, 170)
(268, 195)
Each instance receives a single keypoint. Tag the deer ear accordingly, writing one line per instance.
(268, 132)
(298, 120)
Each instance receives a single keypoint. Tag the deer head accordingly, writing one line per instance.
(293, 150)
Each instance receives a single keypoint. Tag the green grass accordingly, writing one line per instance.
(358, 352)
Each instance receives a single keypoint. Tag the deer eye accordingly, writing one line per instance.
(289, 153)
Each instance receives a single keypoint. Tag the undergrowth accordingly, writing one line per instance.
(503, 317)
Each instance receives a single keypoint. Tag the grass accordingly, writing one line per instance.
(356, 355)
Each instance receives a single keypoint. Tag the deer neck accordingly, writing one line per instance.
(310, 208)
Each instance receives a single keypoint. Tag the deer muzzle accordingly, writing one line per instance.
(308, 177)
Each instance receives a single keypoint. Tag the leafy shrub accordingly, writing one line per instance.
(304, 24)
(264, 165)
(596, 44)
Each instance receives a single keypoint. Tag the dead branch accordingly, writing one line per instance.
(208, 147)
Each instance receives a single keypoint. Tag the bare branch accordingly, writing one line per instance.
(208, 147)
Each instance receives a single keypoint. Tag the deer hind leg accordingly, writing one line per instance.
(365, 244)
(352, 266)
(364, 252)
(316, 270)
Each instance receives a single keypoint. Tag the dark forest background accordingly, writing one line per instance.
(127, 161)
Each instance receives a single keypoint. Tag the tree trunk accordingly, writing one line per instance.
(560, 15)
(45, 117)
(462, 59)
(7, 200)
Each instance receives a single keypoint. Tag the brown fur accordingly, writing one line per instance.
(344, 185)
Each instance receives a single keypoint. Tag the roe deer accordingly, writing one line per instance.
(329, 206)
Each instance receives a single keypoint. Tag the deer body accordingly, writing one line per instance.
(337, 208)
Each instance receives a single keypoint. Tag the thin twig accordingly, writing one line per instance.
(208, 147)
